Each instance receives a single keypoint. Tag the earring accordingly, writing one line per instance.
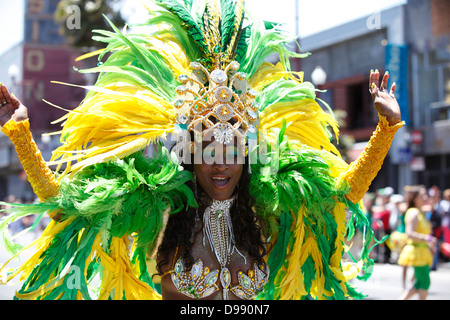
(195, 195)
(195, 185)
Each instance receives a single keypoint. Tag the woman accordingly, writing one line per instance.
(418, 250)
(398, 238)
(272, 226)
(217, 183)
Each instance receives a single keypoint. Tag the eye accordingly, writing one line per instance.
(209, 150)
(232, 150)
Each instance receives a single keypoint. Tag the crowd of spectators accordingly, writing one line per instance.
(386, 210)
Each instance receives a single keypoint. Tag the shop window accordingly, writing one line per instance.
(433, 163)
(360, 107)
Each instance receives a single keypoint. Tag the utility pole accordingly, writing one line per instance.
(297, 35)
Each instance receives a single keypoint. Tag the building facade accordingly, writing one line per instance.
(410, 41)
(28, 69)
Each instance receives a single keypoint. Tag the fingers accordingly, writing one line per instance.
(384, 81)
(393, 88)
(374, 79)
(4, 95)
(14, 101)
(8, 98)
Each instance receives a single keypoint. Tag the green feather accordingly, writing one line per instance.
(197, 11)
(158, 73)
(303, 178)
(178, 31)
(228, 19)
(285, 91)
(188, 4)
(242, 44)
(188, 22)
(278, 256)
(263, 43)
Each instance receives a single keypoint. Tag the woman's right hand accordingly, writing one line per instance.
(10, 107)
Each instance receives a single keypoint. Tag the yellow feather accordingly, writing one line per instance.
(351, 270)
(111, 123)
(121, 152)
(268, 73)
(172, 52)
(90, 54)
(292, 284)
(339, 213)
(40, 245)
(119, 277)
(211, 20)
(306, 120)
(42, 290)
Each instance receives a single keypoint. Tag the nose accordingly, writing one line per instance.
(221, 167)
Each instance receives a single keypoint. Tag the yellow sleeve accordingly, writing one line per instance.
(363, 170)
(40, 176)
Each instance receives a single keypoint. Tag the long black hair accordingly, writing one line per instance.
(180, 226)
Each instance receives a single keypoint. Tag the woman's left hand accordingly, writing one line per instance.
(384, 100)
(432, 241)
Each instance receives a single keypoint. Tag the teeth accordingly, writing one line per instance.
(219, 178)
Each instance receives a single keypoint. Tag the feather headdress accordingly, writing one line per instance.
(111, 193)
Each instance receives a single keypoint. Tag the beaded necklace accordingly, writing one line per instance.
(218, 228)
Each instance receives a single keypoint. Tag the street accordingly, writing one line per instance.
(386, 284)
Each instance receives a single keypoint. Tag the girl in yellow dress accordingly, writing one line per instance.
(417, 252)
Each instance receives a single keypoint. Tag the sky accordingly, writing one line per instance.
(11, 28)
(318, 15)
(313, 15)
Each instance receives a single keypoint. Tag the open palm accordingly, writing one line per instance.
(384, 100)
(10, 107)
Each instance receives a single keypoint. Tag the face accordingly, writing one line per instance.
(219, 172)
(421, 199)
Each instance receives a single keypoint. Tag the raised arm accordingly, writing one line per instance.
(15, 124)
(363, 170)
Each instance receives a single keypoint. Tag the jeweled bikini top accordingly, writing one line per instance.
(200, 282)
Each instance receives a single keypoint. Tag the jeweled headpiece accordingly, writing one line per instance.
(219, 102)
(202, 71)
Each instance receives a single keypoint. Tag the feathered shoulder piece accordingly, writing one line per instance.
(198, 62)
(308, 220)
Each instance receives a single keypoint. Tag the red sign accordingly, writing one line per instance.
(416, 137)
(43, 64)
(418, 164)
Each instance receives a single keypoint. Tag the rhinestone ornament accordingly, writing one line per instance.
(221, 94)
(219, 76)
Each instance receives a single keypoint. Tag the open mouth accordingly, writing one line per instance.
(220, 181)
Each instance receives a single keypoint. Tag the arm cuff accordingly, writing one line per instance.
(41, 178)
(363, 170)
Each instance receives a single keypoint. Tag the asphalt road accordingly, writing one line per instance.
(386, 283)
